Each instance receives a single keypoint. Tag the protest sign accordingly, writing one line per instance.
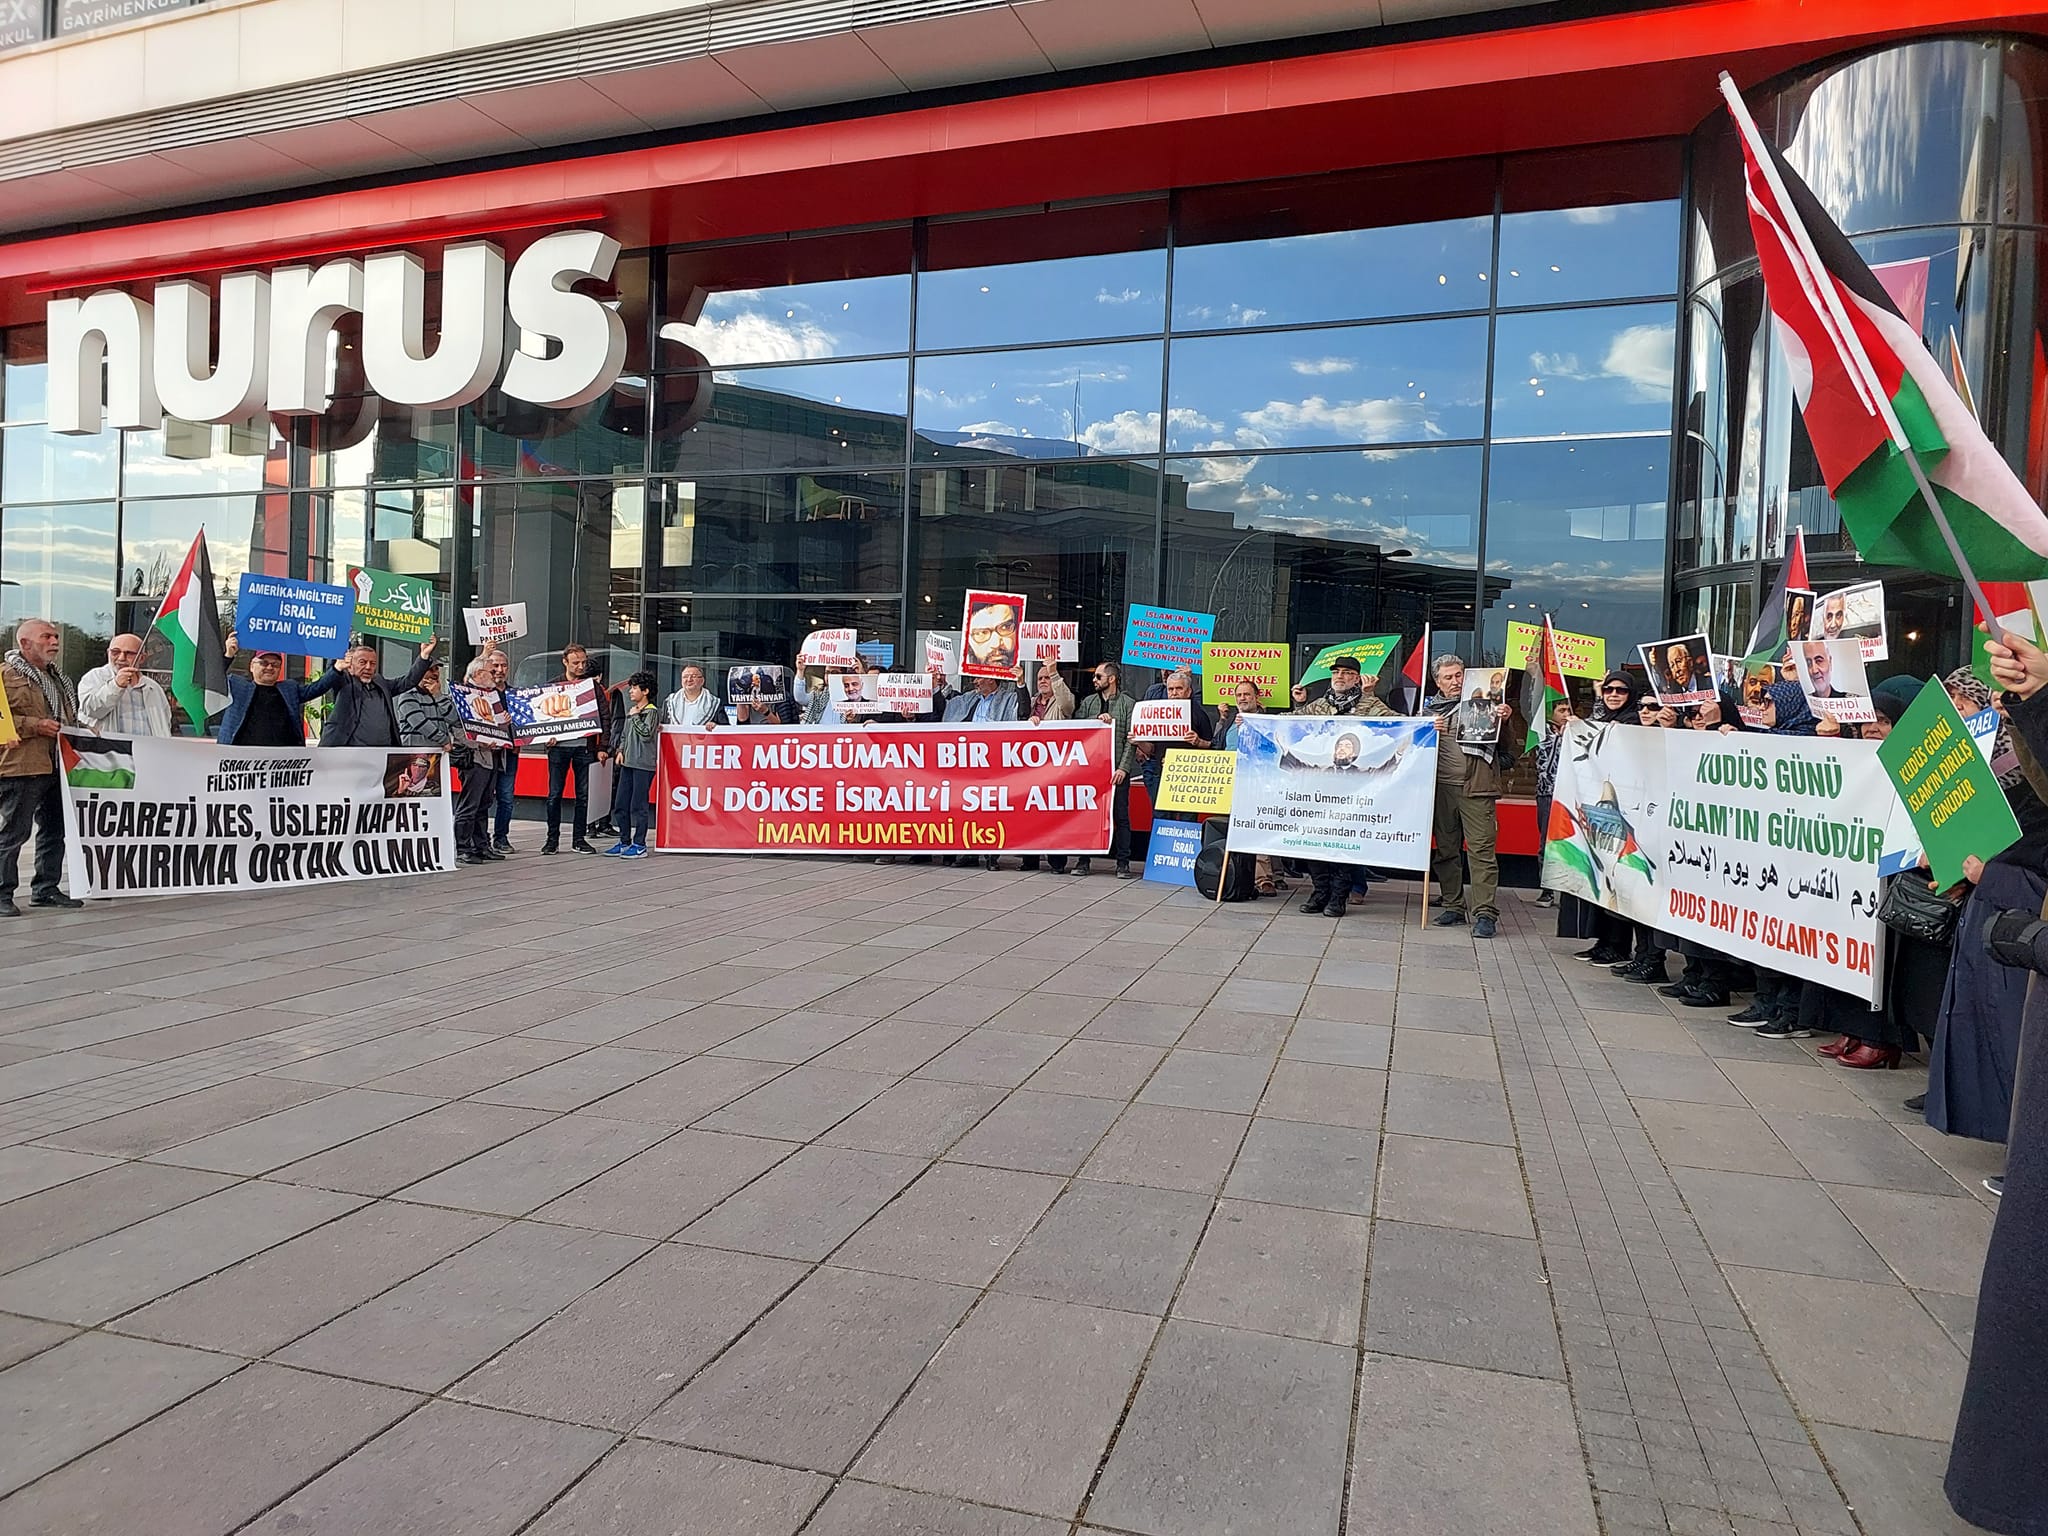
(853, 694)
(555, 711)
(1335, 787)
(756, 685)
(1371, 651)
(1761, 847)
(171, 816)
(887, 789)
(1195, 782)
(1050, 642)
(483, 714)
(1577, 655)
(1170, 854)
(1165, 637)
(991, 626)
(391, 606)
(1227, 663)
(299, 618)
(1831, 672)
(1853, 613)
(904, 693)
(1478, 719)
(1946, 785)
(829, 648)
(1681, 670)
(505, 621)
(942, 654)
(9, 736)
(1162, 719)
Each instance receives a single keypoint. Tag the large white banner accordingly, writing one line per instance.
(1335, 787)
(1762, 847)
(156, 816)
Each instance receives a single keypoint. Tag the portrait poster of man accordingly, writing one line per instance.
(1831, 673)
(1751, 680)
(989, 632)
(855, 694)
(757, 685)
(1798, 612)
(1481, 707)
(1681, 670)
(1853, 613)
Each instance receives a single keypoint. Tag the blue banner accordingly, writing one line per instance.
(1165, 637)
(299, 618)
(1170, 856)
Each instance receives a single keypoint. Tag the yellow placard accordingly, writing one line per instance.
(1196, 782)
(1226, 663)
(1577, 655)
(8, 734)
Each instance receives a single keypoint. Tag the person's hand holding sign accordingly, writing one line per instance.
(2017, 665)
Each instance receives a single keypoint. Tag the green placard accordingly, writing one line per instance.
(1372, 652)
(1946, 786)
(394, 607)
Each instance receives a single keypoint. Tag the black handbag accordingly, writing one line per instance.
(1912, 908)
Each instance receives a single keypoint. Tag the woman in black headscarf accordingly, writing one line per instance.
(1576, 919)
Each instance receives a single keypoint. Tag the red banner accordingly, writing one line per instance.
(976, 789)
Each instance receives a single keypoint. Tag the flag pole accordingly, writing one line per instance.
(1421, 688)
(1852, 347)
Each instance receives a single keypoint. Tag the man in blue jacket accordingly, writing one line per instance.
(264, 708)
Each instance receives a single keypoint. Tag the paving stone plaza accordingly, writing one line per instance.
(747, 1198)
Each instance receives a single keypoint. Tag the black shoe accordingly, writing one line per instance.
(1750, 1015)
(490, 854)
(550, 846)
(1917, 1103)
(502, 846)
(55, 899)
(1079, 869)
(1450, 917)
(582, 845)
(1125, 872)
(1483, 927)
(1649, 973)
(1675, 989)
(1335, 908)
(1705, 997)
(1606, 954)
(1028, 865)
(1779, 1030)
(471, 857)
(1315, 904)
(603, 827)
(990, 863)
(8, 908)
(1436, 901)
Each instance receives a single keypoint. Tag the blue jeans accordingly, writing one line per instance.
(634, 813)
(577, 758)
(503, 830)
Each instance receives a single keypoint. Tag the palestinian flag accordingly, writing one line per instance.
(1767, 640)
(1567, 863)
(190, 620)
(1542, 691)
(97, 762)
(1874, 398)
(1416, 671)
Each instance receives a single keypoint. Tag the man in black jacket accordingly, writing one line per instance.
(570, 760)
(363, 714)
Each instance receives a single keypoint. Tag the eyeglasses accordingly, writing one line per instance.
(982, 634)
(1615, 688)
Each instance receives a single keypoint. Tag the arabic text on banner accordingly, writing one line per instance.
(886, 789)
(1335, 787)
(172, 816)
(1762, 847)
(391, 606)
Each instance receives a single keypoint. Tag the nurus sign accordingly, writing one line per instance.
(275, 327)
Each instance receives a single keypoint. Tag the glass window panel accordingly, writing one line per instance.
(243, 533)
(1577, 530)
(1076, 539)
(1609, 251)
(24, 373)
(781, 301)
(37, 464)
(822, 532)
(1063, 402)
(1360, 384)
(1118, 294)
(722, 632)
(1583, 370)
(811, 415)
(1291, 545)
(505, 438)
(188, 458)
(58, 563)
(570, 551)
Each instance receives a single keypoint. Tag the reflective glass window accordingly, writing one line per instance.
(809, 415)
(37, 464)
(1608, 251)
(502, 437)
(1059, 402)
(780, 301)
(570, 550)
(821, 532)
(718, 633)
(1062, 274)
(243, 533)
(1413, 382)
(24, 373)
(186, 458)
(58, 563)
(1583, 371)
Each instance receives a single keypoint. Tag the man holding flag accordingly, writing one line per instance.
(189, 618)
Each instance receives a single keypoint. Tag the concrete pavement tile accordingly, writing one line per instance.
(809, 1383)
(1895, 1371)
(21, 1337)
(1207, 1080)
(1189, 1149)
(658, 1192)
(807, 1205)
(1038, 1133)
(617, 1352)
(1730, 1137)
(447, 1470)
(526, 1172)
(52, 1220)
(1448, 1451)
(794, 1037)
(1956, 1314)
(1181, 989)
(1231, 1431)
(213, 1461)
(1048, 1013)
(1661, 1075)
(801, 1104)
(578, 1080)
(1369, 975)
(1893, 1482)
(1327, 1095)
(1349, 1005)
(1452, 1108)
(188, 1117)
(263, 1303)
(1464, 1298)
(1289, 1162)
(1446, 1055)
(895, 1046)
(112, 1274)
(1463, 1184)
(1776, 1089)
(1138, 1023)
(1249, 996)
(862, 1509)
(42, 1074)
(1836, 1149)
(961, 1004)
(995, 1057)
(699, 1027)
(30, 1170)
(1017, 1408)
(411, 1150)
(1102, 1069)
(1772, 1223)
(1279, 1269)
(441, 1324)
(295, 1133)
(878, 997)
(915, 1118)
(688, 1091)
(641, 1488)
(1648, 1032)
(478, 1067)
(1238, 1034)
(1109, 1245)
(61, 1403)
(1338, 1044)
(958, 1223)
(354, 1065)
(1427, 976)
